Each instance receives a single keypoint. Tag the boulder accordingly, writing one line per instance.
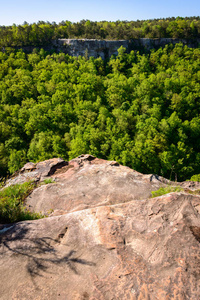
(36, 172)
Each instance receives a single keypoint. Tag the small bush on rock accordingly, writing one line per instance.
(195, 178)
(12, 207)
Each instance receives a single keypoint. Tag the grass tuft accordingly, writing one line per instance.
(165, 190)
(48, 180)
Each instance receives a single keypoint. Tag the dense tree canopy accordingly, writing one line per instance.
(141, 110)
(43, 33)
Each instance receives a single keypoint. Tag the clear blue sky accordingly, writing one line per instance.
(18, 11)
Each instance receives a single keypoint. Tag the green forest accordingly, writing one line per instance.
(42, 33)
(142, 110)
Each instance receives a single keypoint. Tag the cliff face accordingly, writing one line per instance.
(105, 48)
(106, 238)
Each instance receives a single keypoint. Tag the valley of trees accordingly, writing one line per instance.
(141, 110)
(42, 33)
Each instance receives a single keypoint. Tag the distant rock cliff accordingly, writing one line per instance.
(106, 239)
(107, 48)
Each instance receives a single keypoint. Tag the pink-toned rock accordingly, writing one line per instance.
(142, 249)
(87, 182)
(191, 185)
(106, 238)
(37, 172)
(28, 167)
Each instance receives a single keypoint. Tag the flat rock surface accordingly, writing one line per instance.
(142, 249)
(105, 240)
(87, 182)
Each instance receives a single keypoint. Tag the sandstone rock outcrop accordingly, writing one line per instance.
(116, 244)
(106, 48)
(36, 172)
(87, 182)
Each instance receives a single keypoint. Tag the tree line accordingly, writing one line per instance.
(42, 33)
(141, 110)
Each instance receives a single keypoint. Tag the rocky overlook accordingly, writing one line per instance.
(105, 237)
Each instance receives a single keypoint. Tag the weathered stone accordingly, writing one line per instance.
(106, 239)
(30, 166)
(192, 185)
(89, 182)
(142, 249)
(107, 48)
(37, 172)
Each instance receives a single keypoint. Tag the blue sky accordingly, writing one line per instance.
(18, 11)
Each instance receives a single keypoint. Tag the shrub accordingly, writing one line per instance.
(12, 207)
(166, 190)
(195, 178)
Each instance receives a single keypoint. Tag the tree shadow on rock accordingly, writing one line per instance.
(41, 253)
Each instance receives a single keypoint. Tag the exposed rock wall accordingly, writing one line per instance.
(106, 48)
